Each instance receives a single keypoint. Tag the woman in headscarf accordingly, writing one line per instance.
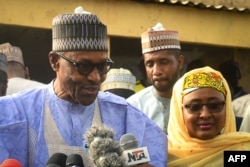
(202, 123)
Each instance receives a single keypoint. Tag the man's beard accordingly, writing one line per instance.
(169, 83)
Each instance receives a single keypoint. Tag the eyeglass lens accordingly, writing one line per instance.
(86, 68)
(212, 107)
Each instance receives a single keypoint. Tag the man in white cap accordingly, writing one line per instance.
(3, 74)
(36, 124)
(163, 63)
(18, 73)
(119, 81)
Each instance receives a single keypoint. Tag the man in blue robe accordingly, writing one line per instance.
(39, 122)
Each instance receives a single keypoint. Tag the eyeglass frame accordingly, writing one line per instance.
(109, 62)
(219, 108)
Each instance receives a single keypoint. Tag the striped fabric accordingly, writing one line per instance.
(119, 79)
(159, 39)
(78, 31)
(13, 53)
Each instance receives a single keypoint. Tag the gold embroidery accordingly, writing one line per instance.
(203, 80)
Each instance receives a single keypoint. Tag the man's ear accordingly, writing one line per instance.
(27, 73)
(181, 61)
(54, 61)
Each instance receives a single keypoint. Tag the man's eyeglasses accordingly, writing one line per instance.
(212, 107)
(86, 68)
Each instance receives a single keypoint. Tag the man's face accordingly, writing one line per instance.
(73, 86)
(162, 69)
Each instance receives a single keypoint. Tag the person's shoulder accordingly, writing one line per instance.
(241, 104)
(23, 84)
(22, 101)
(142, 93)
(31, 82)
(242, 98)
(27, 93)
(111, 98)
(37, 83)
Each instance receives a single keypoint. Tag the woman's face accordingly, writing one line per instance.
(204, 121)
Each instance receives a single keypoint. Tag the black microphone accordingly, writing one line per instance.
(103, 150)
(57, 160)
(131, 152)
(74, 160)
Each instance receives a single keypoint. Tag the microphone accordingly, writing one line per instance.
(11, 163)
(57, 160)
(103, 150)
(133, 154)
(74, 160)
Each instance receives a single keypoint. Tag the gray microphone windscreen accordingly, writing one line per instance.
(128, 141)
(103, 150)
(101, 131)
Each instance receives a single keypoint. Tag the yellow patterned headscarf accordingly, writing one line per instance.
(184, 150)
(204, 80)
